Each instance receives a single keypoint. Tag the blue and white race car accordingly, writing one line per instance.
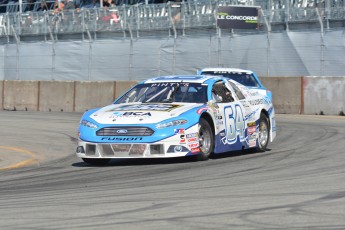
(245, 77)
(176, 116)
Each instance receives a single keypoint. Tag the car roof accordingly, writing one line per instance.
(182, 78)
(235, 70)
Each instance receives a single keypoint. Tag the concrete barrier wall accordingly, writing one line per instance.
(324, 95)
(1, 95)
(56, 96)
(21, 95)
(291, 95)
(122, 86)
(93, 94)
(287, 93)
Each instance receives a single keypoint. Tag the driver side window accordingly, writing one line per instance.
(221, 94)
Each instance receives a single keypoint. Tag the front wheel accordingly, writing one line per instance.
(96, 161)
(206, 140)
(263, 133)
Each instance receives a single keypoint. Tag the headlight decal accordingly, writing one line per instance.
(171, 123)
(88, 124)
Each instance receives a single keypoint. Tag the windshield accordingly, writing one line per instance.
(243, 78)
(166, 93)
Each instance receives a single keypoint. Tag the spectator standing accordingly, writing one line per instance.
(30, 4)
(176, 11)
(58, 6)
(106, 3)
(69, 5)
(94, 4)
(44, 6)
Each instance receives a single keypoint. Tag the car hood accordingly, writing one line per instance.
(140, 113)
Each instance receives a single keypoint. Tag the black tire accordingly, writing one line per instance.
(206, 140)
(96, 161)
(263, 133)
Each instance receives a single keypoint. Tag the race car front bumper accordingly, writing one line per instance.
(133, 150)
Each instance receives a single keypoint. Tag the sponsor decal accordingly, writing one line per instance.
(201, 110)
(178, 149)
(193, 139)
(170, 84)
(250, 124)
(147, 107)
(219, 122)
(251, 129)
(179, 131)
(251, 116)
(195, 150)
(257, 102)
(213, 106)
(225, 72)
(122, 131)
(121, 138)
(252, 140)
(182, 139)
(191, 135)
(130, 114)
(274, 125)
(178, 78)
(193, 145)
(253, 93)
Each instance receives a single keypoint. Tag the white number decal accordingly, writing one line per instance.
(240, 124)
(234, 124)
(230, 128)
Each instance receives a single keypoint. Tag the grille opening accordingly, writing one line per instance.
(156, 149)
(90, 150)
(125, 131)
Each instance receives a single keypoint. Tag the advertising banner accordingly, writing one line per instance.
(237, 17)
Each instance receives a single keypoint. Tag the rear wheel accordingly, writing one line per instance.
(263, 133)
(206, 140)
(96, 161)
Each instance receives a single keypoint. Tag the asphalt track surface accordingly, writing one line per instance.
(298, 184)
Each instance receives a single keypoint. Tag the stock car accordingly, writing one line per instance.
(177, 116)
(245, 77)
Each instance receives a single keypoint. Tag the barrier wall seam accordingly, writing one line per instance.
(114, 92)
(302, 95)
(74, 94)
(38, 95)
(3, 94)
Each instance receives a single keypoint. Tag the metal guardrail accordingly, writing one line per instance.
(171, 16)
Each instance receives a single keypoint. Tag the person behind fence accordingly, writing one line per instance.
(176, 11)
(30, 5)
(108, 3)
(69, 5)
(94, 4)
(58, 6)
(112, 18)
(43, 6)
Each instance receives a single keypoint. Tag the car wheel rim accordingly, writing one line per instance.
(263, 133)
(204, 140)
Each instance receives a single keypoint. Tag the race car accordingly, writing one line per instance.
(177, 116)
(245, 77)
